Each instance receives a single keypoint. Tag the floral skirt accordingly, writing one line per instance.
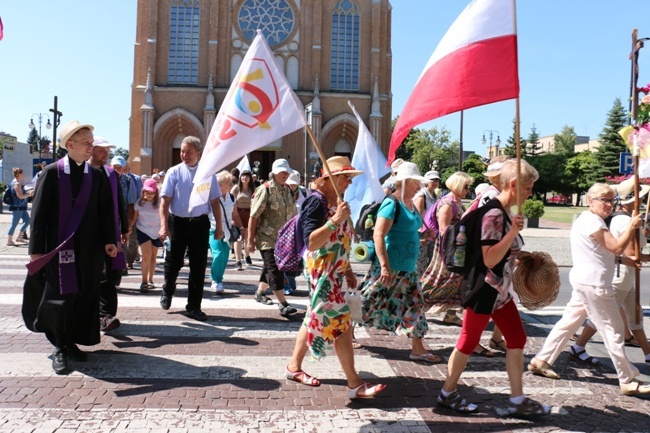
(439, 286)
(398, 308)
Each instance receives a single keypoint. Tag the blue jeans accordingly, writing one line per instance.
(220, 250)
(17, 215)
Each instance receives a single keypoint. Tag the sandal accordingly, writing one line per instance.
(482, 351)
(529, 407)
(301, 377)
(635, 387)
(544, 371)
(425, 357)
(631, 342)
(365, 390)
(144, 287)
(356, 344)
(452, 319)
(575, 355)
(263, 299)
(498, 345)
(456, 403)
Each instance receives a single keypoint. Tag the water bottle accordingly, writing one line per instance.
(168, 245)
(461, 241)
(369, 222)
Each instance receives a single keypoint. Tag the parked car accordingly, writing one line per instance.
(558, 199)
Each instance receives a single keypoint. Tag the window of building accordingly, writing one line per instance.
(184, 42)
(274, 17)
(344, 69)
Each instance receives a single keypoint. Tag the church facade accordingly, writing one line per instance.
(187, 53)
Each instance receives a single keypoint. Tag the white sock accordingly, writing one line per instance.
(518, 400)
(446, 393)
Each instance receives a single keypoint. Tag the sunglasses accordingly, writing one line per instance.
(604, 200)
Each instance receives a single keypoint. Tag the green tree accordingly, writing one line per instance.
(578, 172)
(611, 143)
(565, 141)
(44, 143)
(32, 140)
(403, 151)
(550, 166)
(432, 148)
(533, 146)
(120, 151)
(511, 146)
(475, 167)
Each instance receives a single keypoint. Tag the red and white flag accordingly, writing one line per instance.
(260, 107)
(474, 64)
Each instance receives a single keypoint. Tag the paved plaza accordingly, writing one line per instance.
(163, 372)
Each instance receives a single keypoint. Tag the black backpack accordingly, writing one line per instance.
(372, 209)
(8, 197)
(608, 219)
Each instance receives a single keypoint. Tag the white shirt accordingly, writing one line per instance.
(618, 226)
(148, 219)
(593, 264)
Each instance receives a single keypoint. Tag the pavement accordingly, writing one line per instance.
(163, 372)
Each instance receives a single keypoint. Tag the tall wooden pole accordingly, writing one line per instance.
(634, 57)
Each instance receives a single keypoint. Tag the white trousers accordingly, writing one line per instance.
(599, 303)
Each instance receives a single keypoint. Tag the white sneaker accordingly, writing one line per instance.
(214, 285)
(219, 288)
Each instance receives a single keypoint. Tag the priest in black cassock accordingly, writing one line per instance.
(72, 230)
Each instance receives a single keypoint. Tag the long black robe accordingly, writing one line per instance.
(67, 319)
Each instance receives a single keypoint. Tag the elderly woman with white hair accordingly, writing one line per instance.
(391, 293)
(595, 251)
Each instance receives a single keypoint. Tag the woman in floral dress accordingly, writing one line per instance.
(392, 298)
(439, 286)
(328, 321)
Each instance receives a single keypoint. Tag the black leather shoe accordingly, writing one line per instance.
(60, 362)
(76, 354)
(165, 302)
(197, 315)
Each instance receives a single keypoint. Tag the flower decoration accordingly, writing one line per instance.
(643, 110)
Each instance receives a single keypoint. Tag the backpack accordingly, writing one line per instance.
(475, 292)
(608, 219)
(8, 197)
(471, 221)
(290, 243)
(430, 219)
(365, 235)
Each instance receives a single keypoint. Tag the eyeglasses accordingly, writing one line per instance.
(609, 201)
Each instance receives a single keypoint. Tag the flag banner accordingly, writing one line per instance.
(474, 64)
(367, 157)
(260, 107)
(244, 164)
(2, 30)
(637, 140)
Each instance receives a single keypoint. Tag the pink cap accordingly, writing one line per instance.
(150, 185)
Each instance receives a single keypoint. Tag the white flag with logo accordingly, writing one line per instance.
(260, 107)
(367, 156)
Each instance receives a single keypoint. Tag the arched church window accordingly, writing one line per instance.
(344, 64)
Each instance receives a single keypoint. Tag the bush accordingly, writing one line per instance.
(532, 208)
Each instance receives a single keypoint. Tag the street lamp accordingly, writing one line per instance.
(40, 121)
(498, 142)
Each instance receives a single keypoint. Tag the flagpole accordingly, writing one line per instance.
(518, 148)
(634, 57)
(339, 197)
(460, 150)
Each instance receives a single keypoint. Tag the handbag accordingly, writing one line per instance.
(353, 299)
(233, 231)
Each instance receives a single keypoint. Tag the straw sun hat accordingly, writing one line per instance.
(536, 280)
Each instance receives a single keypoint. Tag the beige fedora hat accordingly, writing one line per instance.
(69, 129)
(341, 165)
(625, 191)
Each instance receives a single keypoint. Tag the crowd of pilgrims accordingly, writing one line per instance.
(406, 279)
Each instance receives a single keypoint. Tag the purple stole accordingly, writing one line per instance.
(69, 220)
(119, 261)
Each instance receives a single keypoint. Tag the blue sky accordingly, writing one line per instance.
(573, 63)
